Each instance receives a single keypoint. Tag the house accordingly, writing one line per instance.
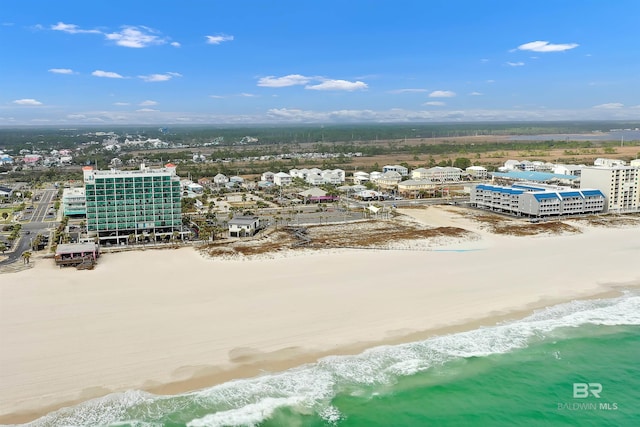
(5, 192)
(315, 179)
(5, 159)
(360, 176)
(609, 163)
(282, 179)
(267, 177)
(316, 195)
(195, 188)
(243, 226)
(335, 177)
(512, 165)
(220, 179)
(403, 171)
(389, 180)
(205, 182)
(477, 172)
(575, 170)
(374, 176)
(413, 187)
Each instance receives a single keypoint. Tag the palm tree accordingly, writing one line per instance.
(26, 255)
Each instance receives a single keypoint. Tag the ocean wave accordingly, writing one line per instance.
(310, 388)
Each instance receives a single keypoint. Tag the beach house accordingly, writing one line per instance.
(243, 226)
(282, 179)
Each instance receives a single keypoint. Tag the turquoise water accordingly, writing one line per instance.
(514, 374)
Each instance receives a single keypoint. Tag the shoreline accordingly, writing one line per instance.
(168, 322)
(289, 358)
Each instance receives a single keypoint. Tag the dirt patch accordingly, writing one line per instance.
(553, 227)
(503, 225)
(397, 233)
(400, 232)
(609, 220)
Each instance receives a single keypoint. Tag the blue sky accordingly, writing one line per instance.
(293, 61)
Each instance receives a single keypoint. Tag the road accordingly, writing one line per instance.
(32, 228)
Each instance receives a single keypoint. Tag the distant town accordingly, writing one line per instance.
(74, 194)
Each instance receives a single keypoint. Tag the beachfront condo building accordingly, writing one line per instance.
(74, 202)
(537, 200)
(127, 206)
(620, 184)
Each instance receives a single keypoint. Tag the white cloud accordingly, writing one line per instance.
(491, 81)
(146, 110)
(136, 37)
(476, 94)
(147, 103)
(338, 85)
(72, 29)
(121, 104)
(61, 71)
(107, 74)
(218, 39)
(544, 46)
(408, 90)
(284, 81)
(442, 94)
(160, 77)
(247, 95)
(434, 103)
(27, 101)
(175, 44)
(515, 64)
(610, 106)
(216, 96)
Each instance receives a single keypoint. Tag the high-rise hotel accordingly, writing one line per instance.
(620, 185)
(124, 205)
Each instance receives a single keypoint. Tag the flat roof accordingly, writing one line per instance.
(69, 248)
(243, 220)
(533, 175)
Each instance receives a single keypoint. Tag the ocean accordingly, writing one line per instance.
(573, 364)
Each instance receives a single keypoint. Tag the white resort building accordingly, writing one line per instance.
(620, 185)
(74, 201)
(537, 200)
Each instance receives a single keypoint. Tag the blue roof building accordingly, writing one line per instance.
(539, 200)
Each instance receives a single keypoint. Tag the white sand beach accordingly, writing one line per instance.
(168, 320)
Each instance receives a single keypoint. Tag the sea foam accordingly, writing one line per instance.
(310, 388)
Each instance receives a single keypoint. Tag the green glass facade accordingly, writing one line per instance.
(132, 203)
